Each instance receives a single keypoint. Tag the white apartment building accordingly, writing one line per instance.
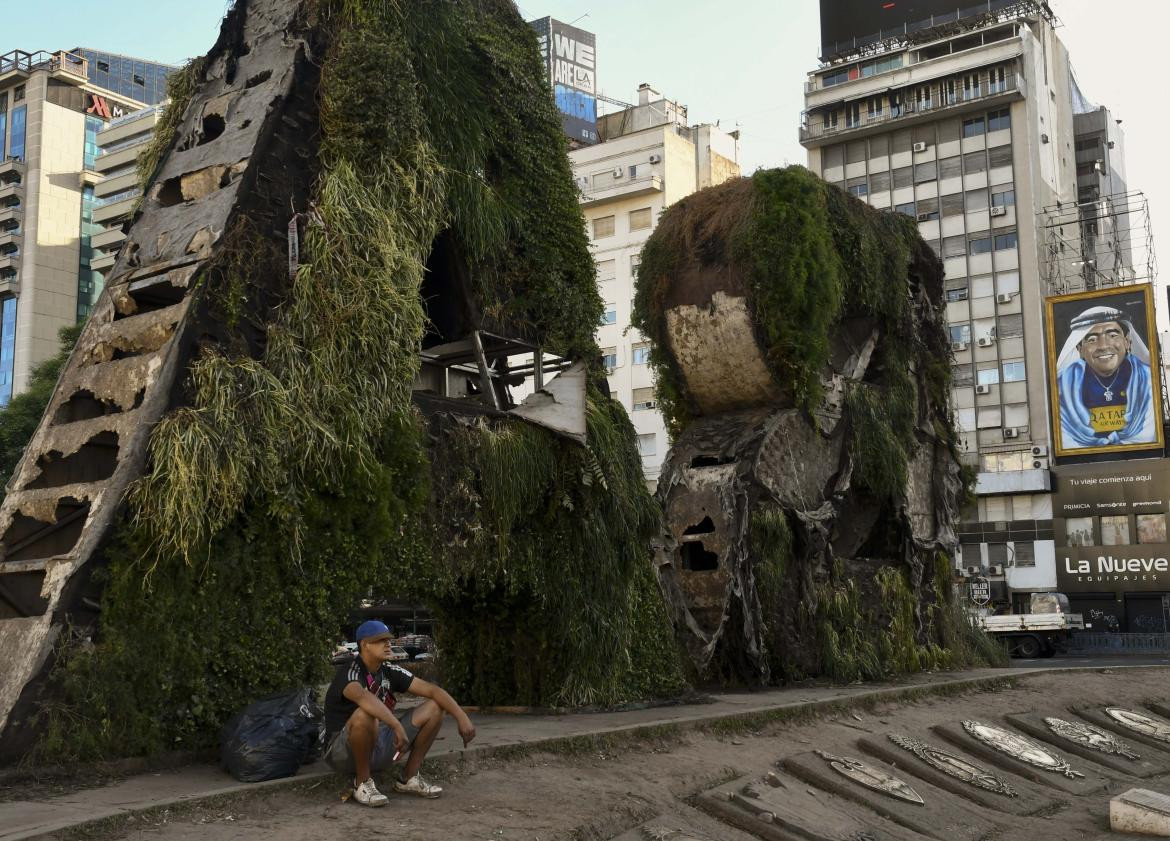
(117, 192)
(968, 127)
(648, 158)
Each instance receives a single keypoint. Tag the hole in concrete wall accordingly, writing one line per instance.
(150, 295)
(711, 461)
(444, 294)
(170, 192)
(704, 527)
(28, 539)
(20, 594)
(259, 79)
(83, 405)
(696, 558)
(94, 462)
(213, 127)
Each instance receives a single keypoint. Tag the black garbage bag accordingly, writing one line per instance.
(272, 737)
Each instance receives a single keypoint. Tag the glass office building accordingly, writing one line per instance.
(145, 81)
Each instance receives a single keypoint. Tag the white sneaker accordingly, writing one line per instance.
(417, 785)
(368, 795)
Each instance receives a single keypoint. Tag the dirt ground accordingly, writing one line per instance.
(652, 789)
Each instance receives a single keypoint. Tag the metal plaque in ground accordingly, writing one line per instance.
(1089, 741)
(1126, 730)
(952, 775)
(1048, 774)
(941, 814)
(779, 807)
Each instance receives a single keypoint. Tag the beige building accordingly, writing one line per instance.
(649, 157)
(968, 128)
(50, 114)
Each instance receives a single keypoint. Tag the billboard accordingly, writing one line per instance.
(1104, 376)
(570, 55)
(1110, 526)
(847, 24)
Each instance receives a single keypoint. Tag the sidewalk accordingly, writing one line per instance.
(26, 819)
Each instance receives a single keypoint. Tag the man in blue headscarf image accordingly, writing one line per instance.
(1104, 383)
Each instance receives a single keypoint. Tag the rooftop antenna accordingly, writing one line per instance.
(571, 23)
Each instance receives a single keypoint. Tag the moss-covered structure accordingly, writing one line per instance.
(802, 361)
(237, 451)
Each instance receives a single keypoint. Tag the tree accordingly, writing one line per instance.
(19, 420)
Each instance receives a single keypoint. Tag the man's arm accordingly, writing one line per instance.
(440, 696)
(368, 702)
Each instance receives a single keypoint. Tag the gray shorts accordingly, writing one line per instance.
(340, 758)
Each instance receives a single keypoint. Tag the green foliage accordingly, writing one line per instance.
(967, 644)
(878, 448)
(181, 86)
(771, 544)
(19, 419)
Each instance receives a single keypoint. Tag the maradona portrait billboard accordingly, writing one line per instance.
(1103, 371)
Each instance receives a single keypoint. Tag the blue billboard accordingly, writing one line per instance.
(570, 55)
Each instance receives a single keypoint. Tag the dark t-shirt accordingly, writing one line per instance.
(383, 683)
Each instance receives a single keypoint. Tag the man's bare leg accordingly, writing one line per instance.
(361, 731)
(428, 718)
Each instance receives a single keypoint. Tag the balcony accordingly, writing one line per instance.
(624, 189)
(9, 263)
(107, 238)
(11, 171)
(114, 210)
(18, 64)
(103, 262)
(8, 192)
(10, 218)
(9, 241)
(815, 132)
(1013, 482)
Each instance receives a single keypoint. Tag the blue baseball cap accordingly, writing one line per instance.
(372, 629)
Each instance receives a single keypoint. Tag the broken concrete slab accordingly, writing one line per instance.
(1141, 812)
(1094, 743)
(1043, 765)
(559, 405)
(779, 807)
(914, 803)
(949, 769)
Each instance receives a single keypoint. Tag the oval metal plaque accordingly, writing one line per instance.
(954, 766)
(1021, 748)
(1140, 723)
(870, 777)
(1091, 737)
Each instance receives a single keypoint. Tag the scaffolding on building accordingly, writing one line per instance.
(1098, 244)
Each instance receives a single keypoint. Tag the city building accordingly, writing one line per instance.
(647, 157)
(970, 122)
(50, 114)
(140, 80)
(116, 193)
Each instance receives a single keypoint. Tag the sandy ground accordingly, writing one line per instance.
(601, 796)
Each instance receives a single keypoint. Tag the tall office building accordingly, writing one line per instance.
(964, 122)
(136, 78)
(648, 157)
(50, 114)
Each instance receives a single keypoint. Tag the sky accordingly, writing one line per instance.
(741, 63)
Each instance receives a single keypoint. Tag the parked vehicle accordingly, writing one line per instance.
(345, 652)
(1044, 630)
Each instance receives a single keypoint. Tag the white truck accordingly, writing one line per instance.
(1041, 632)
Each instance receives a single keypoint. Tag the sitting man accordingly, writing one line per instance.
(364, 733)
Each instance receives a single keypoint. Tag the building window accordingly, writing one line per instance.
(1013, 372)
(903, 177)
(1115, 530)
(829, 120)
(1009, 326)
(606, 269)
(987, 376)
(640, 219)
(998, 120)
(925, 172)
(997, 80)
(957, 290)
(960, 332)
(7, 348)
(602, 227)
(873, 108)
(1004, 462)
(972, 86)
(648, 445)
(974, 127)
(997, 553)
(1151, 528)
(879, 182)
(641, 353)
(974, 162)
(1005, 242)
(852, 114)
(906, 209)
(955, 246)
(922, 98)
(16, 133)
(643, 399)
(1004, 198)
(963, 375)
(609, 358)
(981, 245)
(950, 167)
(837, 77)
(971, 555)
(952, 205)
(18, 93)
(1000, 156)
(610, 315)
(857, 187)
(927, 210)
(103, 66)
(1025, 553)
(1078, 531)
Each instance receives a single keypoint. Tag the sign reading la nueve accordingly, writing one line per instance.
(1110, 526)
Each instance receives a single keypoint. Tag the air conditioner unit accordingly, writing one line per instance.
(1040, 450)
(1003, 298)
(995, 569)
(618, 171)
(919, 147)
(999, 210)
(985, 341)
(1011, 432)
(973, 570)
(1039, 464)
(983, 389)
(923, 217)
(958, 345)
(656, 159)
